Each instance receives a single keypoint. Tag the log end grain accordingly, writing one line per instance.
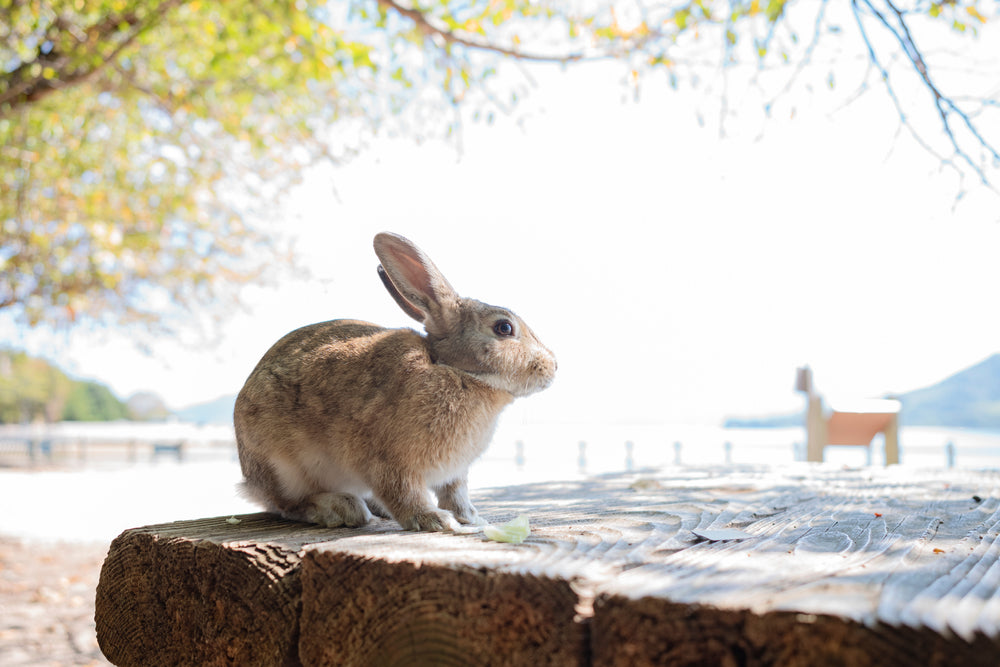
(360, 610)
(164, 600)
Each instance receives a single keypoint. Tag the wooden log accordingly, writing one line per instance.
(203, 593)
(802, 564)
(433, 600)
(655, 631)
(208, 592)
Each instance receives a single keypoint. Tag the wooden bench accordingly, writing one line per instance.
(855, 422)
(798, 565)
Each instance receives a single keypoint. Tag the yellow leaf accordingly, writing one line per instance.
(974, 13)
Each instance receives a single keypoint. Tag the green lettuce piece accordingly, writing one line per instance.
(513, 531)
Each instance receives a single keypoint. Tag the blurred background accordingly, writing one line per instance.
(687, 201)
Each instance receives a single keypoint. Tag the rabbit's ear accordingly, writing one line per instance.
(400, 300)
(413, 280)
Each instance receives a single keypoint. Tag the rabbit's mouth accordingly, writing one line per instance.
(520, 385)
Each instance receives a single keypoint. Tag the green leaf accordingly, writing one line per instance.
(774, 10)
(681, 18)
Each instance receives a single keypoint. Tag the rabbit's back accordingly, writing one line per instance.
(316, 394)
(319, 371)
(352, 394)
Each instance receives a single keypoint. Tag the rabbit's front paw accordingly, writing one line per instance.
(464, 512)
(430, 520)
(454, 497)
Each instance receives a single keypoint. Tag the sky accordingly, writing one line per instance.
(680, 276)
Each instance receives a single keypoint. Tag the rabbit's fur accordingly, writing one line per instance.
(343, 419)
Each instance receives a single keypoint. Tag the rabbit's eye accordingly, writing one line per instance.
(503, 328)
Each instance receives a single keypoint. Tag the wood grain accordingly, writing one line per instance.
(203, 593)
(865, 566)
(368, 601)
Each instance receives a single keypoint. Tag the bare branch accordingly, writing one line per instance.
(944, 105)
(806, 59)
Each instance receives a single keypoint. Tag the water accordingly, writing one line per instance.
(555, 450)
(95, 498)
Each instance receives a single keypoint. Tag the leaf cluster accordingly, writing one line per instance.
(145, 144)
(143, 141)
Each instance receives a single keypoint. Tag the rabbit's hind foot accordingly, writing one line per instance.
(332, 510)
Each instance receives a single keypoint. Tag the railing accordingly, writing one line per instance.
(547, 450)
(79, 444)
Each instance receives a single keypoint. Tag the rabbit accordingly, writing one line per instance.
(343, 420)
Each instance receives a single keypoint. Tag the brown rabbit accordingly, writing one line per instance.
(343, 419)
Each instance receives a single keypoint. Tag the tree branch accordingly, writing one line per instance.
(428, 28)
(944, 105)
(27, 83)
(806, 56)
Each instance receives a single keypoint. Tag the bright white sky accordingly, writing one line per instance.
(678, 276)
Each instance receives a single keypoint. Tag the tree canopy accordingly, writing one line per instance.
(144, 142)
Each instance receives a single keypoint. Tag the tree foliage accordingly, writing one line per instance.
(33, 389)
(30, 388)
(144, 143)
(140, 138)
(93, 401)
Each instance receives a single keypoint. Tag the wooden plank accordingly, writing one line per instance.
(891, 564)
(856, 428)
(892, 441)
(816, 432)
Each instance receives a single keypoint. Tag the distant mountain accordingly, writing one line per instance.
(968, 399)
(219, 411)
(147, 406)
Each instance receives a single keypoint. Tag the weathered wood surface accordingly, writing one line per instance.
(861, 567)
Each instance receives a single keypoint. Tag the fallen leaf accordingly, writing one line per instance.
(645, 484)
